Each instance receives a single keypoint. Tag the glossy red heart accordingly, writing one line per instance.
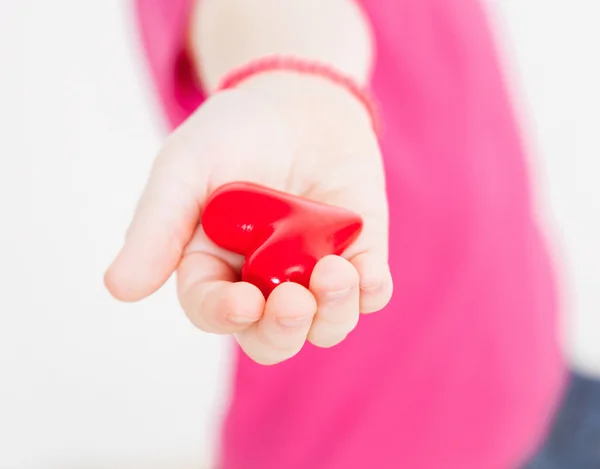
(281, 236)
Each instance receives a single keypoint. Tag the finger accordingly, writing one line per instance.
(164, 221)
(369, 252)
(376, 286)
(369, 256)
(335, 285)
(211, 300)
(282, 331)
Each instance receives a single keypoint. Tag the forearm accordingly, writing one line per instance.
(226, 34)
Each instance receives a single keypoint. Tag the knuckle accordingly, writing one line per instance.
(339, 294)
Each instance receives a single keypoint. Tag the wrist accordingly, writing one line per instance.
(226, 34)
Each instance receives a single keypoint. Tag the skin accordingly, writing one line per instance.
(300, 134)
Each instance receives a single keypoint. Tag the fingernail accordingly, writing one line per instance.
(294, 323)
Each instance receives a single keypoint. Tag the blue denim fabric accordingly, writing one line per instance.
(574, 442)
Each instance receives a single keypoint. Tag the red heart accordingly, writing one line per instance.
(282, 236)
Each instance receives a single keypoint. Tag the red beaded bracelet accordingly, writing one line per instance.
(306, 67)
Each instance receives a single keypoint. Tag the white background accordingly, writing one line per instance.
(86, 382)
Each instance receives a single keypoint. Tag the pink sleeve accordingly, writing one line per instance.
(163, 26)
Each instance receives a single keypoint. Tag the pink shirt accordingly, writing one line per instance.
(463, 368)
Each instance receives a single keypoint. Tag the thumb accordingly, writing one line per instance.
(165, 219)
(170, 207)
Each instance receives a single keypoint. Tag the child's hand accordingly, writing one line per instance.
(297, 134)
